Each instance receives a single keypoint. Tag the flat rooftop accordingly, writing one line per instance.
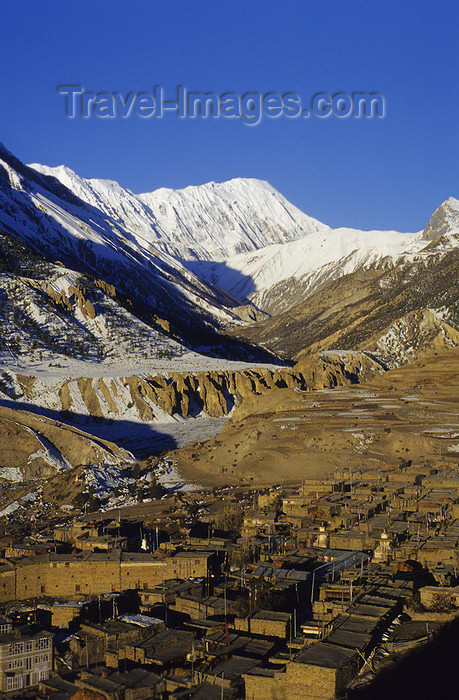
(325, 655)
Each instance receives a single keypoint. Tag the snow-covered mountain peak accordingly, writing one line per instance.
(444, 220)
(236, 186)
(243, 236)
(217, 220)
(59, 170)
(453, 203)
(85, 188)
(200, 222)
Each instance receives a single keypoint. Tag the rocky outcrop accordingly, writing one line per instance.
(154, 397)
(442, 221)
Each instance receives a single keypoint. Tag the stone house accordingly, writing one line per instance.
(317, 673)
(267, 623)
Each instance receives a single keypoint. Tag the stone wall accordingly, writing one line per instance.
(7, 583)
(88, 574)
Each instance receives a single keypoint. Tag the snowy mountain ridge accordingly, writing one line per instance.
(63, 226)
(206, 222)
(277, 276)
(244, 237)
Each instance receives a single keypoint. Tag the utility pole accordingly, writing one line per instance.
(164, 598)
(192, 661)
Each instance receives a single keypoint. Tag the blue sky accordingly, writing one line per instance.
(377, 173)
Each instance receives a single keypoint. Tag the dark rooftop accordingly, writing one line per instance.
(234, 667)
(325, 655)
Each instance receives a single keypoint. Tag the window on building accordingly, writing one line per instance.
(77, 587)
(16, 648)
(42, 643)
(42, 589)
(14, 682)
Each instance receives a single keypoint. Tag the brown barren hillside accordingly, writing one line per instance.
(410, 413)
(36, 446)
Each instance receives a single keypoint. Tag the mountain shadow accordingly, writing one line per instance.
(141, 439)
(220, 276)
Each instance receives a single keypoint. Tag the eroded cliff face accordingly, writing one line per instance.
(75, 297)
(47, 424)
(155, 397)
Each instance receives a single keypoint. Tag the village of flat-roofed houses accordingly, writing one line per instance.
(235, 592)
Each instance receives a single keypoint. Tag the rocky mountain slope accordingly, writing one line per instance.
(53, 221)
(53, 316)
(399, 312)
(34, 446)
(277, 277)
